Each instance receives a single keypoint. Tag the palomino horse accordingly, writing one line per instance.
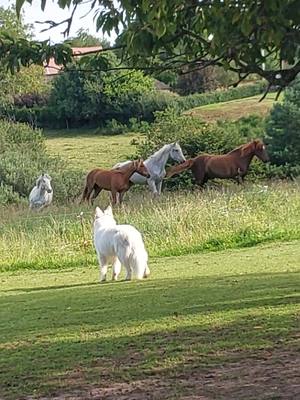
(42, 194)
(156, 166)
(114, 180)
(234, 164)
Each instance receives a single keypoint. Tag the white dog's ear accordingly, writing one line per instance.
(108, 211)
(98, 212)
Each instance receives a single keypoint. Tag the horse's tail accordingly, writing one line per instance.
(86, 190)
(178, 169)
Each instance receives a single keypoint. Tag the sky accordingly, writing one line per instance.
(33, 13)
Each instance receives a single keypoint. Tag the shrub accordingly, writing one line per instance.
(78, 98)
(30, 100)
(283, 126)
(24, 157)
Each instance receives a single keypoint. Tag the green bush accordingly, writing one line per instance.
(283, 127)
(24, 158)
(94, 99)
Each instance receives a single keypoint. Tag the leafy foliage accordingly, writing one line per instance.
(228, 33)
(283, 128)
(23, 158)
(84, 39)
(86, 98)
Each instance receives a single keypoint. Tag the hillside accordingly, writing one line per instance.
(234, 109)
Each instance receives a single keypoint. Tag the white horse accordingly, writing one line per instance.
(42, 194)
(155, 165)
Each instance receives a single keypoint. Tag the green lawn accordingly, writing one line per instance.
(234, 109)
(219, 325)
(84, 149)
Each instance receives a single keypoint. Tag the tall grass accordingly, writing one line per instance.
(175, 224)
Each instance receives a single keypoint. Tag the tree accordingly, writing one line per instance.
(283, 126)
(13, 26)
(239, 35)
(27, 80)
(84, 39)
(80, 97)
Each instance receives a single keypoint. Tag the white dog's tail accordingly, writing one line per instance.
(133, 255)
(139, 263)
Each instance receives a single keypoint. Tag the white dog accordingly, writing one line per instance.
(42, 194)
(123, 244)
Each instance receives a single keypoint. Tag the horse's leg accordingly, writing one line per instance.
(120, 197)
(240, 177)
(88, 194)
(97, 190)
(116, 269)
(114, 196)
(159, 186)
(199, 175)
(152, 186)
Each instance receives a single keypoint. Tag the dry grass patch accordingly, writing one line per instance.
(234, 109)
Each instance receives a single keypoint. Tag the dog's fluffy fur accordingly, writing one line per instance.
(122, 244)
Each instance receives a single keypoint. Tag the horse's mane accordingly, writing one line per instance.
(161, 150)
(241, 147)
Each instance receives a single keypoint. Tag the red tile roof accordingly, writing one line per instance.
(53, 69)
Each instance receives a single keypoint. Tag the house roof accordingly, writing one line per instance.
(52, 68)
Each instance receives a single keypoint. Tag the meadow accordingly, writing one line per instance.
(175, 224)
(218, 318)
(85, 149)
(235, 109)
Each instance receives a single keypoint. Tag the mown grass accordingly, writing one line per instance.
(175, 224)
(198, 326)
(85, 149)
(234, 109)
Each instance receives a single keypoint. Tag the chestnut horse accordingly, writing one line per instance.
(234, 164)
(114, 180)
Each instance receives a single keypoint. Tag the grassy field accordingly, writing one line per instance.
(84, 149)
(220, 325)
(218, 318)
(175, 224)
(234, 109)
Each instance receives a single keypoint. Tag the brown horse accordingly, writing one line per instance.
(114, 180)
(234, 164)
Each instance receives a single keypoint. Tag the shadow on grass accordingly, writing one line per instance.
(106, 335)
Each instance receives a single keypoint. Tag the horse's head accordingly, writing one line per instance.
(44, 183)
(254, 148)
(140, 168)
(260, 150)
(176, 153)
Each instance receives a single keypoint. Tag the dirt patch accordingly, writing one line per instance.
(261, 375)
